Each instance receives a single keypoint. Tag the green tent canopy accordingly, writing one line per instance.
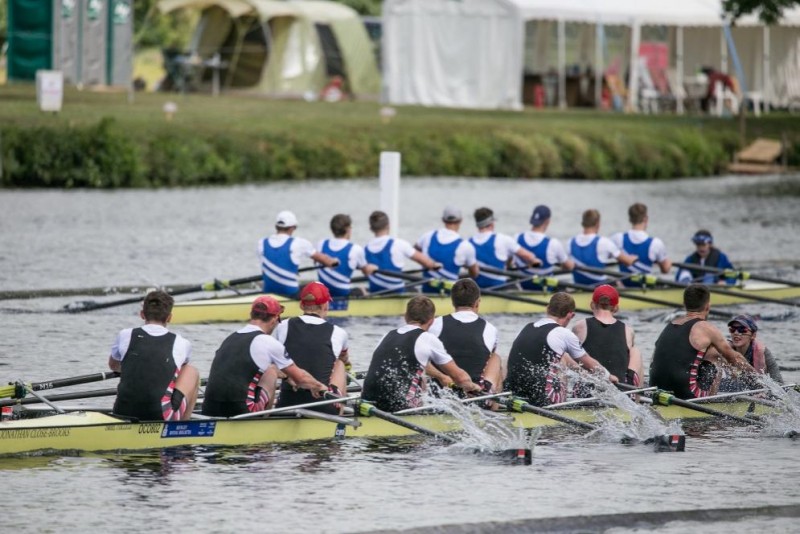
(281, 48)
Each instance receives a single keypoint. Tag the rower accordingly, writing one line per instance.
(349, 255)
(682, 362)
(156, 380)
(495, 250)
(389, 253)
(541, 349)
(468, 338)
(549, 250)
(743, 331)
(592, 250)
(245, 368)
(316, 345)
(609, 339)
(648, 250)
(705, 254)
(281, 255)
(396, 376)
(446, 247)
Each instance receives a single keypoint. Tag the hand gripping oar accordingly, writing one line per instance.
(18, 391)
(736, 274)
(665, 398)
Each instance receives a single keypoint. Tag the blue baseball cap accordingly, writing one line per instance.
(540, 214)
(702, 236)
(745, 320)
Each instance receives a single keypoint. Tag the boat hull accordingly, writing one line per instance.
(97, 432)
(237, 309)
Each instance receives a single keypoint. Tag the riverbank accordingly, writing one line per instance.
(101, 140)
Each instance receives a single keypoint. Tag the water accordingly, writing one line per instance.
(51, 239)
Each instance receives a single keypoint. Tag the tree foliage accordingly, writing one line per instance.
(769, 11)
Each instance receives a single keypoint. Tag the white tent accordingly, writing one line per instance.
(473, 53)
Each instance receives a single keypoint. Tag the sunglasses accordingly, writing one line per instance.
(735, 329)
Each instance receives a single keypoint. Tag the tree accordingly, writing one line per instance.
(769, 11)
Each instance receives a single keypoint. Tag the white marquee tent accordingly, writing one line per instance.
(474, 53)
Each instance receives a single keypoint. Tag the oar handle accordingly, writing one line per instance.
(74, 381)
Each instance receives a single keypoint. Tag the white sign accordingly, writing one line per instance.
(49, 89)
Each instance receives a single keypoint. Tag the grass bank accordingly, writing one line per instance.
(102, 140)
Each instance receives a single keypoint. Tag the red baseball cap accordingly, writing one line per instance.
(315, 293)
(266, 305)
(605, 291)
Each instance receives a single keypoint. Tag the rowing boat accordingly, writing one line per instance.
(237, 309)
(92, 431)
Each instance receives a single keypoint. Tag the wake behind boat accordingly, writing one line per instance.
(235, 309)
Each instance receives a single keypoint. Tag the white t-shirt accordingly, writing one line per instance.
(401, 249)
(181, 350)
(562, 340)
(606, 249)
(301, 249)
(657, 251)
(555, 249)
(428, 348)
(465, 252)
(339, 337)
(504, 246)
(266, 350)
(355, 259)
(469, 316)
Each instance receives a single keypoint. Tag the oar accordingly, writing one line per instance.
(518, 298)
(366, 409)
(425, 409)
(41, 398)
(665, 398)
(295, 407)
(15, 390)
(732, 273)
(214, 285)
(712, 289)
(73, 292)
(64, 396)
(516, 404)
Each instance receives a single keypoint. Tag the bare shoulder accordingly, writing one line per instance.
(579, 329)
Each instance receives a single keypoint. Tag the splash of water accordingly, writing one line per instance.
(784, 418)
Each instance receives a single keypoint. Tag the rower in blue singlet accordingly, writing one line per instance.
(648, 250)
(592, 250)
(549, 250)
(446, 247)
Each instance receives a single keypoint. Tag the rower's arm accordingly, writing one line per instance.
(568, 264)
(527, 256)
(473, 270)
(433, 372)
(726, 351)
(460, 377)
(665, 265)
(114, 365)
(424, 260)
(634, 354)
(626, 259)
(579, 329)
(368, 269)
(303, 379)
(592, 365)
(324, 259)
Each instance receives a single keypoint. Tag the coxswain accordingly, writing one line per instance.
(446, 247)
(549, 250)
(245, 368)
(706, 255)
(589, 249)
(157, 382)
(349, 255)
(389, 254)
(316, 345)
(541, 351)
(281, 255)
(470, 339)
(396, 376)
(610, 340)
(648, 250)
(495, 250)
(682, 362)
(743, 331)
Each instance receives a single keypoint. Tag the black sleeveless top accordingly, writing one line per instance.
(677, 366)
(608, 344)
(392, 371)
(311, 348)
(232, 373)
(530, 363)
(464, 342)
(147, 370)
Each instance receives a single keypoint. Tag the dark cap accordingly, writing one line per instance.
(702, 236)
(540, 214)
(745, 320)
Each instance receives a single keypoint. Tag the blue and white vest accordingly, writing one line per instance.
(586, 256)
(446, 255)
(487, 258)
(643, 263)
(278, 270)
(337, 279)
(540, 251)
(383, 260)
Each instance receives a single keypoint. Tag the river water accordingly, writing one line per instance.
(728, 480)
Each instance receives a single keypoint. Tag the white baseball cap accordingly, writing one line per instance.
(286, 219)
